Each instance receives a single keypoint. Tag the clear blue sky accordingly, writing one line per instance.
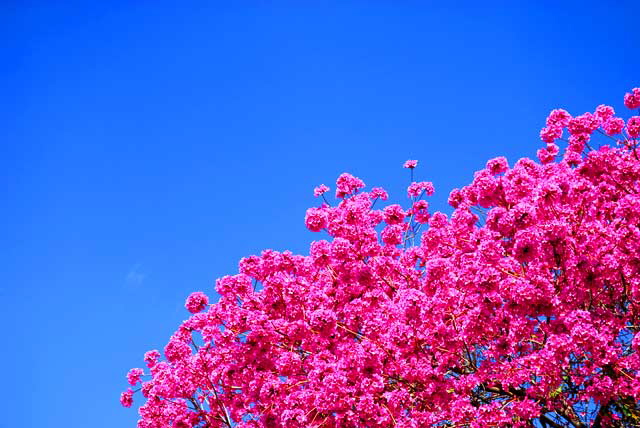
(146, 147)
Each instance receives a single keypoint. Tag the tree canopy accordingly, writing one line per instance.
(521, 308)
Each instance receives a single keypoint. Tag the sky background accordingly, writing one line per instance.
(146, 147)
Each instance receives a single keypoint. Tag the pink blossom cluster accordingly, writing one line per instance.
(581, 129)
(521, 306)
(196, 302)
(320, 190)
(411, 164)
(632, 99)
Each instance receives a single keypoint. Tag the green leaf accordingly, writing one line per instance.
(555, 393)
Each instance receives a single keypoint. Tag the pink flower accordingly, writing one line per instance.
(392, 234)
(572, 158)
(604, 112)
(415, 189)
(176, 350)
(498, 165)
(151, 357)
(126, 398)
(410, 164)
(577, 142)
(635, 342)
(316, 219)
(379, 192)
(613, 126)
(146, 389)
(438, 220)
(558, 118)
(320, 252)
(420, 211)
(196, 302)
(133, 377)
(583, 124)
(548, 154)
(320, 190)
(526, 246)
(632, 100)
(347, 185)
(341, 249)
(393, 214)
(633, 126)
(455, 198)
(550, 133)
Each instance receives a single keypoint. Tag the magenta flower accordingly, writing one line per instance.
(632, 100)
(347, 185)
(613, 126)
(126, 398)
(416, 189)
(410, 164)
(633, 126)
(151, 357)
(133, 377)
(550, 133)
(316, 219)
(558, 118)
(196, 302)
(320, 190)
(378, 192)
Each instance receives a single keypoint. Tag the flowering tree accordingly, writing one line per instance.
(521, 309)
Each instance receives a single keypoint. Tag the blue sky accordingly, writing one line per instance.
(146, 147)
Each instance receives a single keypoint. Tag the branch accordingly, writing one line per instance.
(550, 422)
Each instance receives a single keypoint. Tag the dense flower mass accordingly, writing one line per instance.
(521, 308)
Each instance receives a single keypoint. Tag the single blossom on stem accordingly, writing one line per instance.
(411, 164)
